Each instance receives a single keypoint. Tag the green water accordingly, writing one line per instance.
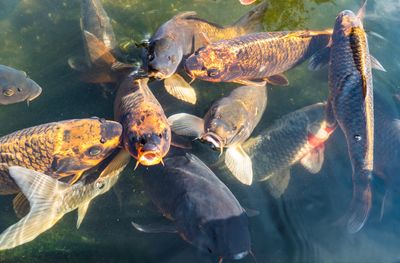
(39, 36)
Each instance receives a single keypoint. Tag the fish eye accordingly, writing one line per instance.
(142, 141)
(151, 57)
(212, 72)
(100, 185)
(8, 92)
(95, 150)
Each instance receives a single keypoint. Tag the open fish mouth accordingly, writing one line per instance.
(36, 91)
(150, 158)
(215, 140)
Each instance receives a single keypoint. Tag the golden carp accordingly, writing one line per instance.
(228, 123)
(146, 132)
(255, 57)
(58, 149)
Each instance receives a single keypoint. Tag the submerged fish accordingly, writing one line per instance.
(203, 210)
(16, 86)
(100, 64)
(58, 149)
(146, 132)
(185, 33)
(296, 137)
(351, 104)
(228, 123)
(51, 199)
(255, 57)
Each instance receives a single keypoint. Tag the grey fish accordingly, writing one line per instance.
(296, 137)
(50, 200)
(228, 123)
(183, 34)
(351, 105)
(16, 86)
(203, 210)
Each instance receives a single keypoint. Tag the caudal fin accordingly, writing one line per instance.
(252, 21)
(361, 204)
(42, 192)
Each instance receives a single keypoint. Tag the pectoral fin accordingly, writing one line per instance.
(314, 159)
(376, 64)
(278, 80)
(155, 228)
(81, 213)
(21, 205)
(117, 165)
(239, 163)
(99, 53)
(42, 192)
(186, 124)
(278, 183)
(180, 89)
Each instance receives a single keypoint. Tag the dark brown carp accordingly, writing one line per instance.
(16, 86)
(146, 132)
(185, 33)
(228, 123)
(204, 212)
(296, 137)
(59, 149)
(351, 105)
(255, 57)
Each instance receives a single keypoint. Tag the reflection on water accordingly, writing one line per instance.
(39, 36)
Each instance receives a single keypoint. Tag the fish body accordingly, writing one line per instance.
(204, 211)
(255, 57)
(16, 86)
(296, 137)
(58, 149)
(227, 124)
(50, 200)
(146, 132)
(185, 33)
(351, 104)
(95, 20)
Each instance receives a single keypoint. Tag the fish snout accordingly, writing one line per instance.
(149, 155)
(35, 90)
(215, 140)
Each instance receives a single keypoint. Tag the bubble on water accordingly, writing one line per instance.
(357, 137)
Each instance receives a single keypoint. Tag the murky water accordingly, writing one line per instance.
(39, 36)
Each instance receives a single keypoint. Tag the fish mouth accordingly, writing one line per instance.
(215, 140)
(149, 158)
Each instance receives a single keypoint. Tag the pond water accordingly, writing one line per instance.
(38, 36)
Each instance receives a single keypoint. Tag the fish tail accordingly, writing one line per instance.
(252, 21)
(362, 199)
(42, 192)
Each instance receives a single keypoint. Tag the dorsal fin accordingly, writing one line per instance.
(361, 11)
(185, 15)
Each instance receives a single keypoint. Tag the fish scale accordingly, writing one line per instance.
(351, 101)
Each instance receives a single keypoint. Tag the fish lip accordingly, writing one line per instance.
(149, 158)
(214, 139)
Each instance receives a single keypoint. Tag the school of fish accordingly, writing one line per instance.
(55, 168)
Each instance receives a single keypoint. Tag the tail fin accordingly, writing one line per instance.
(42, 192)
(361, 203)
(252, 21)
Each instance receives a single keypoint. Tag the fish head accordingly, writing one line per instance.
(229, 238)
(16, 86)
(214, 63)
(345, 22)
(84, 144)
(149, 139)
(163, 57)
